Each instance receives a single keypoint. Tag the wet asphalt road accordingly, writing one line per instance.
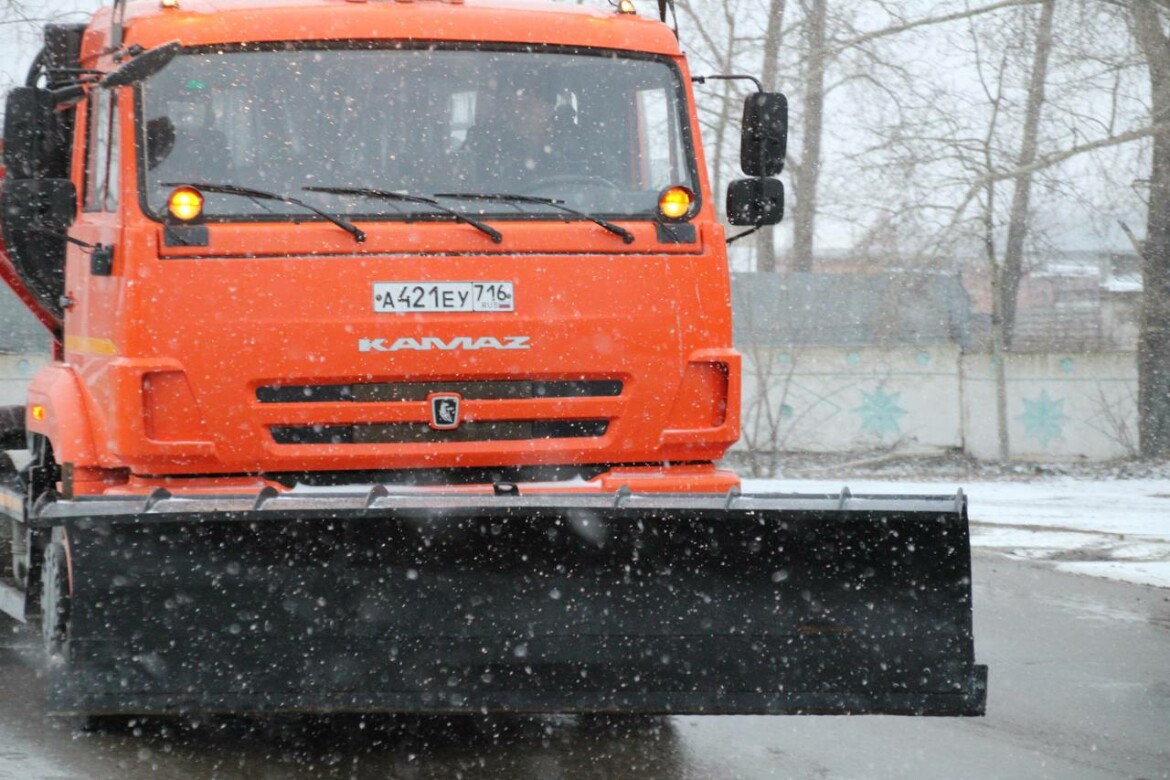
(1080, 688)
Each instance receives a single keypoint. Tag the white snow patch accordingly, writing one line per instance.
(1018, 539)
(1156, 573)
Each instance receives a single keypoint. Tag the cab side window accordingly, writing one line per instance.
(101, 163)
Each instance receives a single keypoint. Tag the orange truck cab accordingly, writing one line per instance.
(425, 243)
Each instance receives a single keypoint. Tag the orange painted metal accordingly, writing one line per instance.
(67, 421)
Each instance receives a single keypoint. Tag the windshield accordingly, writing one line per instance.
(603, 134)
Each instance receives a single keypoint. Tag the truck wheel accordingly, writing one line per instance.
(55, 599)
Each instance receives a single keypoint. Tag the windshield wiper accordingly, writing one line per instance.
(495, 235)
(507, 197)
(248, 192)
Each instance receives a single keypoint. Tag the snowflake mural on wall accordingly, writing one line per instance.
(1043, 418)
(879, 412)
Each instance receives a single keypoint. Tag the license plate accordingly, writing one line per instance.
(409, 297)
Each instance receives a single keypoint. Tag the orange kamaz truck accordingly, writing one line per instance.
(392, 362)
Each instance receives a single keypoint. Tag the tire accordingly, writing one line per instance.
(55, 602)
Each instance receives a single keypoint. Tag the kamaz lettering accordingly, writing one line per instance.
(427, 343)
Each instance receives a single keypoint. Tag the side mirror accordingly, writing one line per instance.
(30, 132)
(765, 134)
(143, 65)
(35, 213)
(755, 202)
(48, 205)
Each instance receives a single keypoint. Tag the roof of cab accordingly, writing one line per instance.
(208, 22)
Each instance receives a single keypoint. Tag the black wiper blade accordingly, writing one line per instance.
(508, 197)
(495, 235)
(248, 192)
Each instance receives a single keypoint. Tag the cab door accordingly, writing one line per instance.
(96, 265)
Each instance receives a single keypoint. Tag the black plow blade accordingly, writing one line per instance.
(337, 602)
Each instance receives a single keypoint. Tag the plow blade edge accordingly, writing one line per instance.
(535, 603)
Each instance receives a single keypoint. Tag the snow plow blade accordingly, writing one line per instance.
(334, 601)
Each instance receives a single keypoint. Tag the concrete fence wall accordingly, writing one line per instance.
(825, 399)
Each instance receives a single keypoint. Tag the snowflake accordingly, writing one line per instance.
(879, 412)
(1043, 418)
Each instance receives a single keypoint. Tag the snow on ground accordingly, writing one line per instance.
(1117, 529)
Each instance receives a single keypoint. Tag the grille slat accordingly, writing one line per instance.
(398, 392)
(421, 433)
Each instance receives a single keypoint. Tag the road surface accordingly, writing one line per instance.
(1080, 688)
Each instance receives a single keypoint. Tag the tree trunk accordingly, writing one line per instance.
(804, 194)
(1154, 339)
(1013, 258)
(998, 358)
(770, 77)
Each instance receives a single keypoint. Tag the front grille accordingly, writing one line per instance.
(421, 433)
(491, 390)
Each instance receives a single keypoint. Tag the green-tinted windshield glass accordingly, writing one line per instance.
(605, 134)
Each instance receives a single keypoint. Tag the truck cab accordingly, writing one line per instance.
(430, 242)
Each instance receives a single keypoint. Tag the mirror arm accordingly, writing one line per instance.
(744, 234)
(732, 77)
(63, 236)
(71, 93)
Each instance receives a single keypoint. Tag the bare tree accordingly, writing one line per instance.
(770, 79)
(21, 23)
(1154, 340)
(840, 53)
(767, 414)
(1013, 260)
(996, 269)
(806, 173)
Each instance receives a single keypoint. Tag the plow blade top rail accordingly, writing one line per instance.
(340, 600)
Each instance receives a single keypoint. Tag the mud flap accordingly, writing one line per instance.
(545, 603)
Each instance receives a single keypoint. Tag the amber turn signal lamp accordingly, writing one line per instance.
(185, 204)
(675, 203)
(38, 412)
